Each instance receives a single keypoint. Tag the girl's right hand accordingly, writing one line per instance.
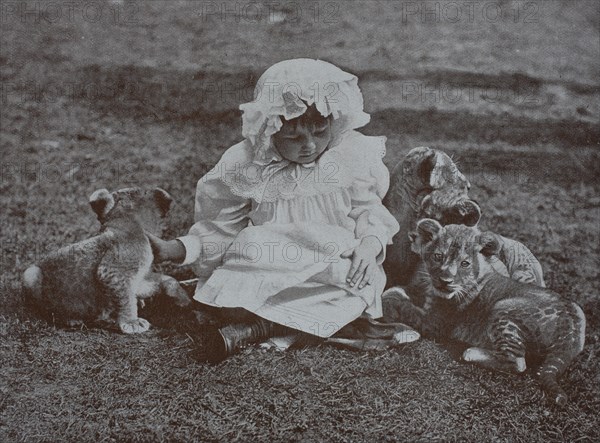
(364, 261)
(164, 250)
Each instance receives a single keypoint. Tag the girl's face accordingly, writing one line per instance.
(303, 139)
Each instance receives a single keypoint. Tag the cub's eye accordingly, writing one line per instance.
(465, 263)
(437, 256)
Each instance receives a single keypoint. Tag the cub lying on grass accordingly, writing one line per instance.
(108, 273)
(505, 321)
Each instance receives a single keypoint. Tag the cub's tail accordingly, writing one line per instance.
(552, 367)
(559, 358)
(32, 284)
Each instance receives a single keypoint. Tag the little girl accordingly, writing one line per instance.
(289, 224)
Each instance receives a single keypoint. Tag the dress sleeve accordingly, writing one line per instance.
(371, 183)
(219, 216)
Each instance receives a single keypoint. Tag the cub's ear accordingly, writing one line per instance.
(490, 245)
(163, 200)
(470, 212)
(465, 213)
(426, 167)
(426, 206)
(415, 243)
(102, 202)
(427, 228)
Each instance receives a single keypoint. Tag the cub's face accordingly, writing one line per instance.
(430, 169)
(454, 258)
(147, 206)
(442, 190)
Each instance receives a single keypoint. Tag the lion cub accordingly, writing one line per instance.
(505, 321)
(108, 273)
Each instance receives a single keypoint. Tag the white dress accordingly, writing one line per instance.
(268, 238)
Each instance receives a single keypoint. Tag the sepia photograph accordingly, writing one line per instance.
(300, 221)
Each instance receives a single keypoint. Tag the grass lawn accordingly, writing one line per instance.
(146, 93)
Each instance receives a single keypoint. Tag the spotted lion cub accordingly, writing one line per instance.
(108, 273)
(505, 321)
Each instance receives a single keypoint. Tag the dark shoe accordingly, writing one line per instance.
(219, 343)
(213, 348)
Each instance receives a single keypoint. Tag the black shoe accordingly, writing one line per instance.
(217, 344)
(212, 347)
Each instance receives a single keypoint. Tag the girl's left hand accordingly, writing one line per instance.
(364, 263)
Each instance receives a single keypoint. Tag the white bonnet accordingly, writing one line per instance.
(283, 90)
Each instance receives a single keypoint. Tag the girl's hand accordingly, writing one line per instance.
(364, 263)
(164, 250)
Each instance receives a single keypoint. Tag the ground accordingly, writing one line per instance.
(115, 93)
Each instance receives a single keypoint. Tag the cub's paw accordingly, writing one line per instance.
(134, 326)
(488, 359)
(475, 355)
(175, 292)
(393, 301)
(398, 308)
(395, 293)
